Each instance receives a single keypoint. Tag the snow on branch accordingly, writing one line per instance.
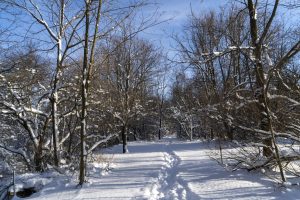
(35, 111)
(245, 103)
(285, 98)
(117, 115)
(20, 109)
(102, 142)
(267, 133)
(25, 122)
(215, 54)
(17, 151)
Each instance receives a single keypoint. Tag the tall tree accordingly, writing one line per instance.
(88, 62)
(258, 41)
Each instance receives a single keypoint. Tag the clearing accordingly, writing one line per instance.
(168, 169)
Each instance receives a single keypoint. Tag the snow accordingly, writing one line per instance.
(216, 53)
(168, 169)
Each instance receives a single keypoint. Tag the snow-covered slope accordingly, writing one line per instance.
(168, 169)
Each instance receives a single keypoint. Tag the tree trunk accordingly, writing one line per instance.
(159, 129)
(83, 151)
(160, 118)
(88, 63)
(277, 154)
(55, 130)
(212, 134)
(191, 130)
(179, 131)
(260, 79)
(124, 138)
(55, 120)
(229, 131)
(54, 100)
(134, 134)
(38, 156)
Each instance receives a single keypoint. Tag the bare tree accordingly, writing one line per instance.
(236, 70)
(24, 104)
(126, 70)
(61, 29)
(88, 62)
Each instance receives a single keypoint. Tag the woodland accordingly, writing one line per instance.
(80, 76)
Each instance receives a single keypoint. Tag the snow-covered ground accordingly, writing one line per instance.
(168, 169)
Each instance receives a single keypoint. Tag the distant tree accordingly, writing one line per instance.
(130, 66)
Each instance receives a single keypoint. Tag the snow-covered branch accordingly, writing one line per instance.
(19, 152)
(268, 133)
(284, 98)
(104, 141)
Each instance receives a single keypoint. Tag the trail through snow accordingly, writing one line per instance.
(164, 170)
(168, 184)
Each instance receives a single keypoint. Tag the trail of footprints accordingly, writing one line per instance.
(167, 186)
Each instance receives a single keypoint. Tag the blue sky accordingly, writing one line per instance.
(177, 11)
(174, 10)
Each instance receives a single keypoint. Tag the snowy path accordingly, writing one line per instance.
(166, 170)
(209, 180)
(169, 185)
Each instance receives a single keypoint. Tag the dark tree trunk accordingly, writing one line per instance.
(55, 130)
(134, 134)
(124, 138)
(160, 118)
(260, 79)
(38, 157)
(229, 131)
(212, 136)
(84, 87)
(159, 130)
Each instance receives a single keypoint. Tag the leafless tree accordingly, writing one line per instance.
(236, 70)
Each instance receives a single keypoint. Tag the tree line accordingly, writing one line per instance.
(243, 83)
(80, 78)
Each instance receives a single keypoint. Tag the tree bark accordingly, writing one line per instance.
(260, 79)
(38, 157)
(55, 120)
(88, 63)
(124, 138)
(83, 151)
(229, 131)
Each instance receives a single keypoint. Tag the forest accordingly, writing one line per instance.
(79, 76)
